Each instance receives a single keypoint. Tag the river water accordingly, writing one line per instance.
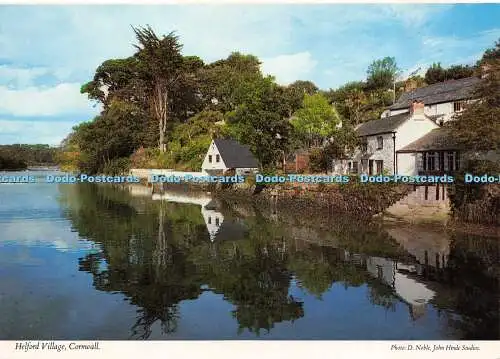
(84, 261)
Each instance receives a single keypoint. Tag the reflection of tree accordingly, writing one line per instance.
(255, 279)
(382, 295)
(152, 272)
(473, 268)
(158, 255)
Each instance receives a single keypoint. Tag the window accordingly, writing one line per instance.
(354, 167)
(210, 158)
(431, 161)
(452, 161)
(217, 158)
(370, 167)
(217, 221)
(380, 142)
(364, 145)
(380, 166)
(420, 161)
(458, 106)
(364, 165)
(209, 220)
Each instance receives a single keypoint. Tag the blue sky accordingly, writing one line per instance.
(47, 51)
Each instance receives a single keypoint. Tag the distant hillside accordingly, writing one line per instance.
(20, 156)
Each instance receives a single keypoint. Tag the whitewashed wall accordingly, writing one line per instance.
(213, 151)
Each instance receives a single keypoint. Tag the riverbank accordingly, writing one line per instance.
(357, 200)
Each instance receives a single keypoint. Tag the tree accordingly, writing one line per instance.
(456, 72)
(316, 120)
(161, 66)
(350, 101)
(435, 74)
(114, 134)
(382, 73)
(343, 143)
(477, 128)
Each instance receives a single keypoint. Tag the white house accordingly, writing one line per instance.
(381, 140)
(442, 100)
(226, 154)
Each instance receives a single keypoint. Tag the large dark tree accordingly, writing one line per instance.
(477, 128)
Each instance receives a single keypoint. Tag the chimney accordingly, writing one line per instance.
(417, 108)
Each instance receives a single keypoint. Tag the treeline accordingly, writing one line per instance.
(20, 156)
(161, 109)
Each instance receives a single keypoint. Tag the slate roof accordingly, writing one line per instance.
(447, 91)
(384, 125)
(235, 155)
(438, 139)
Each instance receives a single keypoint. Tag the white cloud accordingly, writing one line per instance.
(414, 15)
(289, 68)
(24, 131)
(64, 98)
(44, 232)
(21, 77)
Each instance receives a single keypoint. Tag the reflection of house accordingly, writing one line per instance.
(226, 154)
(221, 228)
(213, 219)
(218, 227)
(429, 246)
(411, 291)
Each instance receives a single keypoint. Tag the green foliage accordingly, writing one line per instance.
(117, 166)
(318, 160)
(20, 156)
(115, 133)
(316, 120)
(474, 202)
(382, 73)
(158, 96)
(436, 73)
(477, 128)
(342, 144)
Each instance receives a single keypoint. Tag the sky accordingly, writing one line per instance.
(48, 51)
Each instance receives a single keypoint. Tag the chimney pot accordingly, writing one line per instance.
(417, 108)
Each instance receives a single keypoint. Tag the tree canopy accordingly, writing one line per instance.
(477, 128)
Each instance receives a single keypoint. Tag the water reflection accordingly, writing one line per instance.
(194, 267)
(195, 244)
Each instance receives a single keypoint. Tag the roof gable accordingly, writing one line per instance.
(235, 155)
(383, 125)
(438, 139)
(447, 91)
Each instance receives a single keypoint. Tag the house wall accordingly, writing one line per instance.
(407, 164)
(445, 109)
(245, 171)
(206, 165)
(385, 154)
(410, 131)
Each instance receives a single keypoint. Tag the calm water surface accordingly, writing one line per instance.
(98, 262)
